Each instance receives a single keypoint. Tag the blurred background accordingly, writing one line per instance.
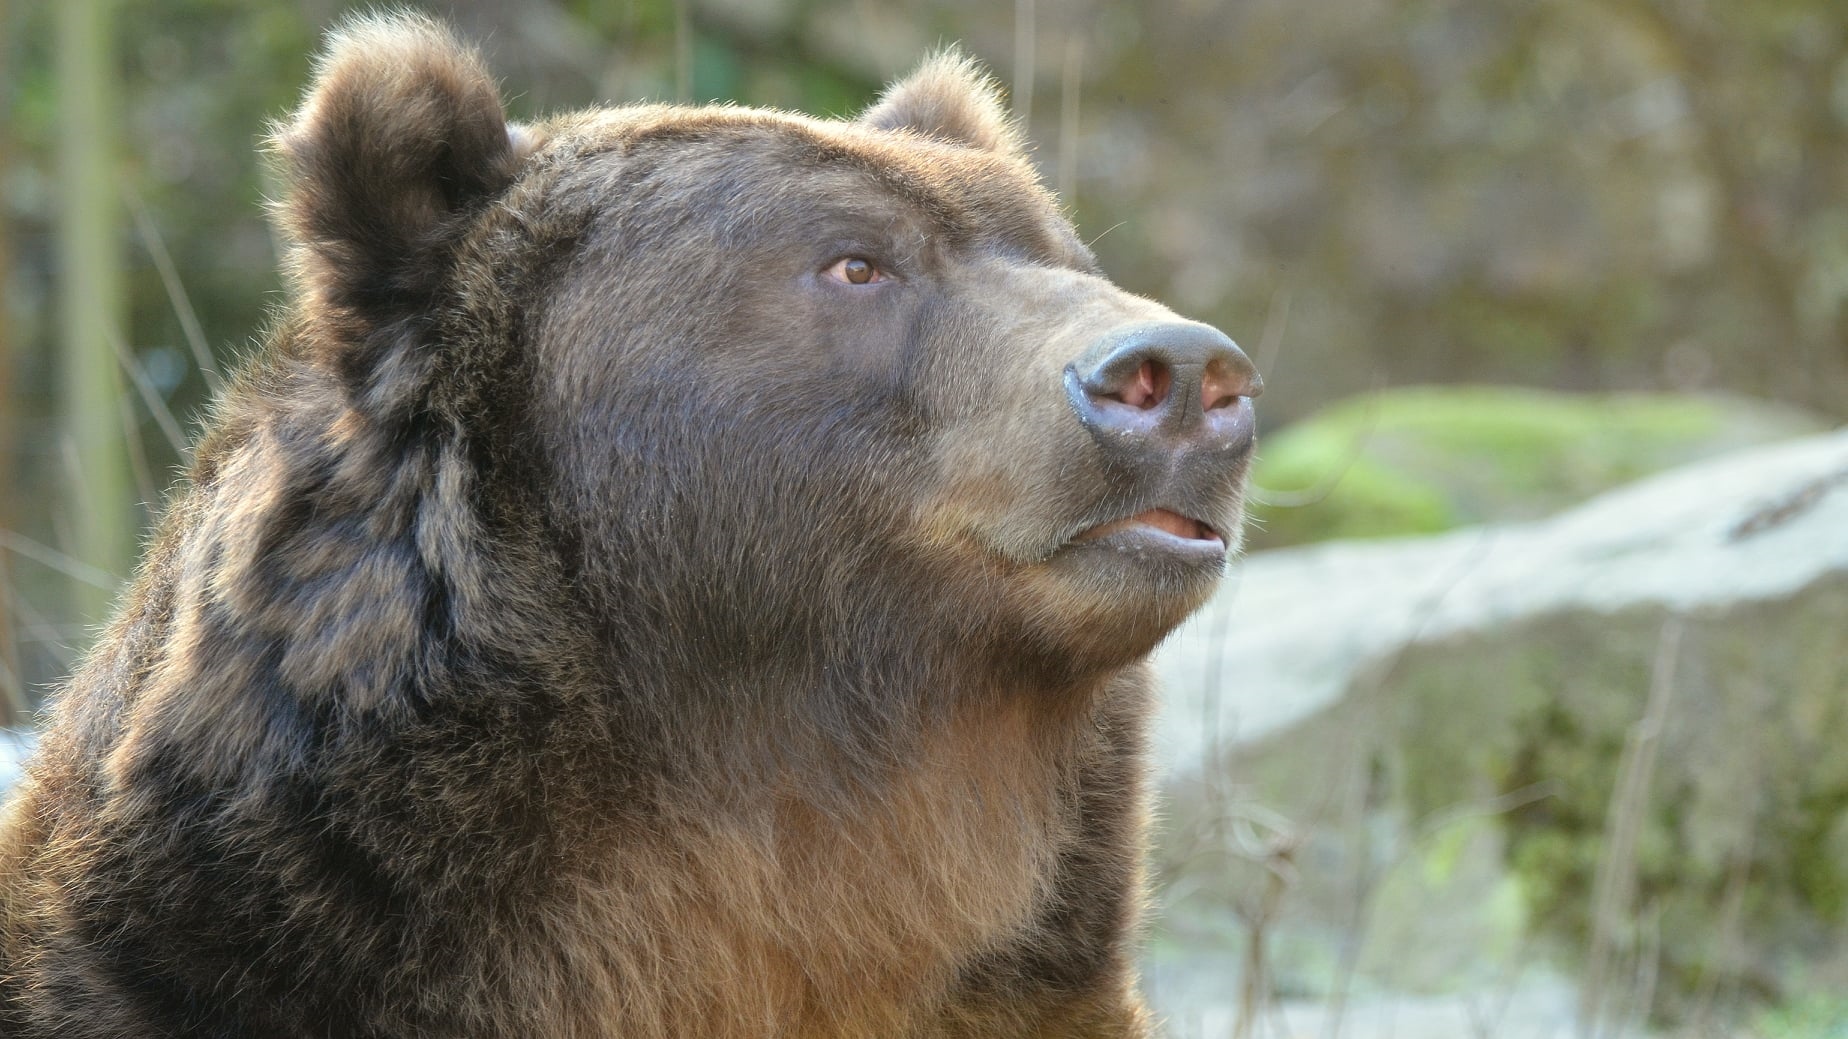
(1523, 718)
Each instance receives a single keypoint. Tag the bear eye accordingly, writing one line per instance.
(856, 270)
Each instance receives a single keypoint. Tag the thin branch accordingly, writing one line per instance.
(1614, 887)
(1276, 322)
(45, 555)
(1319, 491)
(137, 449)
(683, 52)
(1070, 88)
(163, 415)
(34, 627)
(1024, 28)
(177, 297)
(1367, 879)
(12, 687)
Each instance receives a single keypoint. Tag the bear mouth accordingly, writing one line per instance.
(1162, 524)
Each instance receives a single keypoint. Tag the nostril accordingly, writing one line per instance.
(1165, 382)
(1148, 388)
(1222, 385)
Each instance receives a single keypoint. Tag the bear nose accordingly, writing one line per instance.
(1180, 382)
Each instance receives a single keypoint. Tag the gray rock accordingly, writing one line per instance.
(1401, 759)
(1293, 630)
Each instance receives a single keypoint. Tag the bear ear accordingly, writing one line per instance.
(949, 97)
(401, 136)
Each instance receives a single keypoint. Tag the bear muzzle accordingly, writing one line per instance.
(1168, 407)
(1150, 391)
(1168, 413)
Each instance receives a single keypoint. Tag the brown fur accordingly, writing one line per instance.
(586, 619)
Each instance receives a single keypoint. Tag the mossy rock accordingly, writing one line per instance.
(1746, 790)
(1409, 750)
(1421, 460)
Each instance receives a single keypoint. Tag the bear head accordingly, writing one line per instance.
(795, 391)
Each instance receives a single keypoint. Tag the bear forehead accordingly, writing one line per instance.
(755, 153)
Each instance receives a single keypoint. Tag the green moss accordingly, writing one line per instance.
(1815, 1017)
(1746, 788)
(1816, 853)
(1427, 459)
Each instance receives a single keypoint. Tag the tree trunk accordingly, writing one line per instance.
(101, 509)
(12, 695)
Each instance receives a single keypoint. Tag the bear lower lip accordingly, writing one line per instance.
(1166, 521)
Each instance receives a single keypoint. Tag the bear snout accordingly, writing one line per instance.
(1149, 391)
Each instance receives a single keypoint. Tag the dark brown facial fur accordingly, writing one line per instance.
(673, 572)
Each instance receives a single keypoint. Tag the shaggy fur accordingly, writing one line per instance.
(590, 618)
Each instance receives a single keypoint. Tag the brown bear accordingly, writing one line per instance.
(671, 572)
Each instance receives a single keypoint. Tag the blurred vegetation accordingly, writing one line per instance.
(1619, 198)
(1740, 860)
(1815, 1018)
